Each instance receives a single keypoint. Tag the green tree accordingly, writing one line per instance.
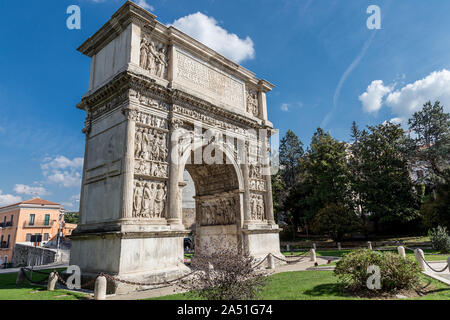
(383, 183)
(323, 179)
(71, 217)
(436, 210)
(431, 141)
(336, 220)
(291, 150)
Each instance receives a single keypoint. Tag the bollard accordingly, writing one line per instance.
(339, 246)
(420, 257)
(52, 279)
(369, 245)
(401, 251)
(20, 277)
(271, 261)
(288, 248)
(313, 255)
(100, 288)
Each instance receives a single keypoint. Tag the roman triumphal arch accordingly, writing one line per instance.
(159, 103)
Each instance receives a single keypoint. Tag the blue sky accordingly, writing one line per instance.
(328, 67)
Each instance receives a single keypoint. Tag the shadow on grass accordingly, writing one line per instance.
(326, 290)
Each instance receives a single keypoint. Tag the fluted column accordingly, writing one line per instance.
(268, 177)
(128, 165)
(245, 174)
(174, 212)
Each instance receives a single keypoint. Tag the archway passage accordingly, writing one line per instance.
(218, 209)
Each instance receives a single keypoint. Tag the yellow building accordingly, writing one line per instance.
(20, 221)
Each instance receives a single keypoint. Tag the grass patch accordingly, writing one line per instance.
(26, 291)
(430, 254)
(319, 285)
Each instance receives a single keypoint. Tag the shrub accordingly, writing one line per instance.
(397, 273)
(232, 276)
(440, 239)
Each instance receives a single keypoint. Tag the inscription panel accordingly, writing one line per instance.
(208, 80)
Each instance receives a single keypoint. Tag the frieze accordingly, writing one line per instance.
(252, 102)
(149, 199)
(219, 211)
(150, 144)
(257, 206)
(151, 169)
(153, 57)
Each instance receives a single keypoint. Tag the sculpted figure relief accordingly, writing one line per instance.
(258, 185)
(149, 199)
(150, 144)
(221, 211)
(153, 169)
(252, 103)
(152, 120)
(153, 57)
(257, 207)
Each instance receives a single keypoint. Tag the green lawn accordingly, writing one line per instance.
(9, 290)
(316, 285)
(340, 253)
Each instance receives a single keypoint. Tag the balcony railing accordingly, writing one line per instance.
(6, 224)
(4, 245)
(38, 224)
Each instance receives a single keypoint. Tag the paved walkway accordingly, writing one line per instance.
(441, 276)
(147, 294)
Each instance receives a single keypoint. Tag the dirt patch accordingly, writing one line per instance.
(399, 294)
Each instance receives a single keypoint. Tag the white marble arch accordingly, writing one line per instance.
(223, 233)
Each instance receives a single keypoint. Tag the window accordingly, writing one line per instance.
(46, 236)
(1, 242)
(4, 221)
(47, 220)
(28, 237)
(31, 222)
(9, 237)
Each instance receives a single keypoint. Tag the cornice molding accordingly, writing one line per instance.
(126, 82)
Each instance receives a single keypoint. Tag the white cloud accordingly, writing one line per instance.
(285, 107)
(410, 98)
(63, 171)
(372, 99)
(144, 4)
(7, 199)
(32, 191)
(206, 30)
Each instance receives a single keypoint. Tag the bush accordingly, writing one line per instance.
(232, 276)
(440, 239)
(397, 273)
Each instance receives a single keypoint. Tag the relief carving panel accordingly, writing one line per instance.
(149, 199)
(153, 57)
(221, 210)
(257, 206)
